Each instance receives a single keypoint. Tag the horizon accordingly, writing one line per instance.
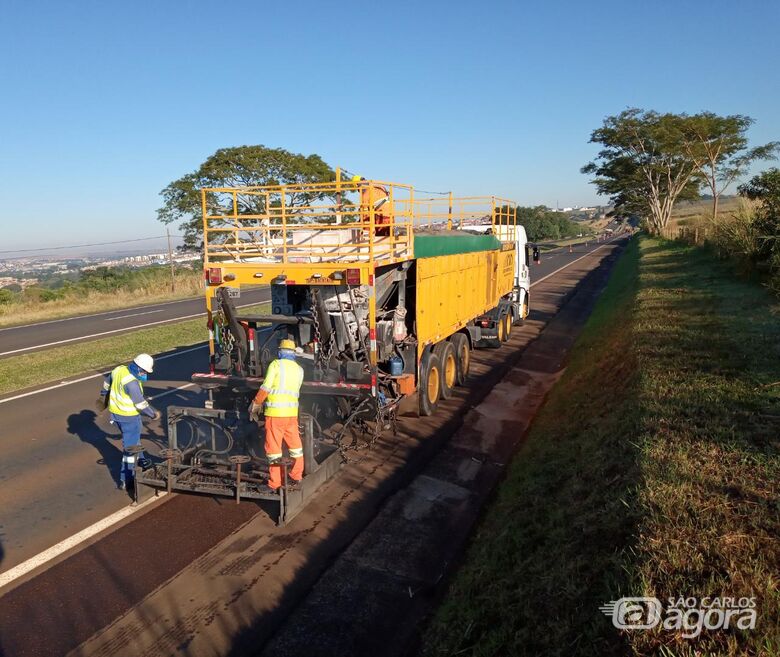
(111, 104)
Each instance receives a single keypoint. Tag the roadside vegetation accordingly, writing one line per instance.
(651, 470)
(58, 363)
(103, 288)
(543, 224)
(747, 234)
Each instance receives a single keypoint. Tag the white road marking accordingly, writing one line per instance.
(94, 376)
(47, 555)
(171, 391)
(85, 534)
(97, 335)
(148, 312)
(544, 278)
(129, 328)
(107, 312)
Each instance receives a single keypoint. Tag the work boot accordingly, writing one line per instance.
(293, 484)
(121, 486)
(267, 490)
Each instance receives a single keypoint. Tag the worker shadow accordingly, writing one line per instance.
(84, 425)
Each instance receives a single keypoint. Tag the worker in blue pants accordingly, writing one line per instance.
(124, 389)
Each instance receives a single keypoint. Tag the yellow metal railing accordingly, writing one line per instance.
(493, 214)
(340, 221)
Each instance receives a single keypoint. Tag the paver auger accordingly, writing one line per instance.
(384, 294)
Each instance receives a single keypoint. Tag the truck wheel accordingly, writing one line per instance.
(462, 355)
(449, 367)
(500, 333)
(507, 322)
(429, 390)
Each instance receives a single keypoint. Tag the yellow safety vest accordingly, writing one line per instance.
(119, 402)
(283, 384)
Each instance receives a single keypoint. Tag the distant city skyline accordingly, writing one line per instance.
(111, 102)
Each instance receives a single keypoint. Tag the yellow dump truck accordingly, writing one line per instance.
(384, 293)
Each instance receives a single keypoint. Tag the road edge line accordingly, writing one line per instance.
(76, 540)
(94, 376)
(544, 278)
(119, 330)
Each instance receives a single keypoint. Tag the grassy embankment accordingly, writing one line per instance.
(30, 307)
(651, 470)
(55, 364)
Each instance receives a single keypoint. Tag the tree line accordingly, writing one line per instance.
(649, 161)
(102, 280)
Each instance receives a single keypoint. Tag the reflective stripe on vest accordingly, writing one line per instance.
(285, 378)
(119, 402)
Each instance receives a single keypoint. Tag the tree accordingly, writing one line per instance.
(644, 166)
(240, 166)
(541, 224)
(765, 187)
(718, 146)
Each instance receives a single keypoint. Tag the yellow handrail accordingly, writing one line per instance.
(367, 221)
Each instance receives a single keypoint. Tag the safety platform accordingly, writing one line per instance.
(218, 452)
(346, 222)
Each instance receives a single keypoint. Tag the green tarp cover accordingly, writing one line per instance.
(430, 245)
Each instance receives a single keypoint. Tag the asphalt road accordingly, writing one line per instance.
(33, 337)
(57, 476)
(60, 461)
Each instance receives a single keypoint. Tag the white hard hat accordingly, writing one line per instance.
(145, 362)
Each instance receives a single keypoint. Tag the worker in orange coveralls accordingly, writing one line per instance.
(376, 196)
(279, 392)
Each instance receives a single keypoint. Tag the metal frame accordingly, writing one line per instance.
(186, 468)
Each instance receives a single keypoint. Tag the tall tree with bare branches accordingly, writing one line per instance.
(718, 145)
(644, 166)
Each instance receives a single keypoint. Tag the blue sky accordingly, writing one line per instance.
(104, 103)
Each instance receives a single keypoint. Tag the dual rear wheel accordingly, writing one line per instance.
(441, 369)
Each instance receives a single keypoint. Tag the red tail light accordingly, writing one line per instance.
(353, 277)
(214, 275)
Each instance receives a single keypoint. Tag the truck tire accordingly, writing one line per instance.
(507, 322)
(429, 390)
(449, 367)
(462, 355)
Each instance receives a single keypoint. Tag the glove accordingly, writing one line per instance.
(101, 403)
(255, 411)
(156, 415)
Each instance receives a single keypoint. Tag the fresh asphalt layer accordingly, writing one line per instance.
(42, 335)
(58, 475)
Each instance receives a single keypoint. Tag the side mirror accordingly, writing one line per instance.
(536, 255)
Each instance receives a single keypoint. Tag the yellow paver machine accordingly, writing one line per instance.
(385, 295)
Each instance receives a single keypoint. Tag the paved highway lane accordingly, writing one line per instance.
(95, 586)
(59, 463)
(32, 337)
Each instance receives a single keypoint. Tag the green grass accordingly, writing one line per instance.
(189, 284)
(18, 372)
(652, 469)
